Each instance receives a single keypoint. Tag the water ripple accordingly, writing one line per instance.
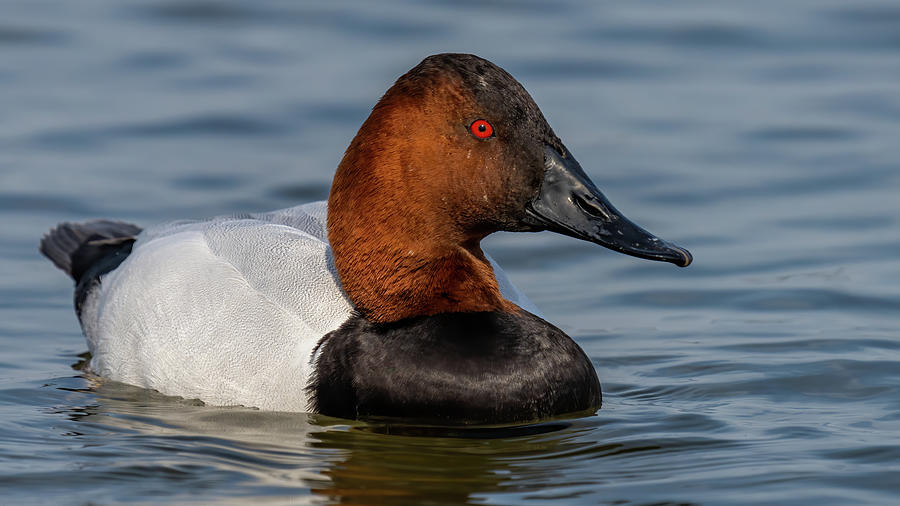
(787, 299)
(344, 21)
(586, 69)
(803, 133)
(23, 35)
(213, 124)
(703, 36)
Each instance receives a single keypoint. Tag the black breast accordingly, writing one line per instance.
(455, 368)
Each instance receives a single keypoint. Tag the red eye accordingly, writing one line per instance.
(481, 129)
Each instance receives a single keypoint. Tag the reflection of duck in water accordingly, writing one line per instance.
(432, 468)
(383, 306)
(180, 449)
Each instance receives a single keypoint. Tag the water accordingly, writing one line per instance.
(760, 135)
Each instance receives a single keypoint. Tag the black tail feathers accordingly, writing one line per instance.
(76, 247)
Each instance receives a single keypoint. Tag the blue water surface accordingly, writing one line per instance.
(763, 136)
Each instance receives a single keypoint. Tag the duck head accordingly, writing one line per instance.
(455, 150)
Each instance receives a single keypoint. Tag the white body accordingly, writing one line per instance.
(227, 310)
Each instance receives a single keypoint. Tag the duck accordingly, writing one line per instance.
(380, 302)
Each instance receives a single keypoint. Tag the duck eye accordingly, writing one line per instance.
(481, 129)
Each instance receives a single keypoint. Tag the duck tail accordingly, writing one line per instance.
(76, 247)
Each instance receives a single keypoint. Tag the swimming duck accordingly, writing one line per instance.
(380, 303)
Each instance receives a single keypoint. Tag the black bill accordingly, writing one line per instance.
(570, 204)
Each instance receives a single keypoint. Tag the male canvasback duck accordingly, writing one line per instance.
(380, 304)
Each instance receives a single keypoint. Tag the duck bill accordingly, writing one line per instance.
(570, 204)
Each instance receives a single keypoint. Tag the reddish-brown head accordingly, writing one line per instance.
(456, 149)
(419, 187)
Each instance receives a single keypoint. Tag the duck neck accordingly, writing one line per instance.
(390, 276)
